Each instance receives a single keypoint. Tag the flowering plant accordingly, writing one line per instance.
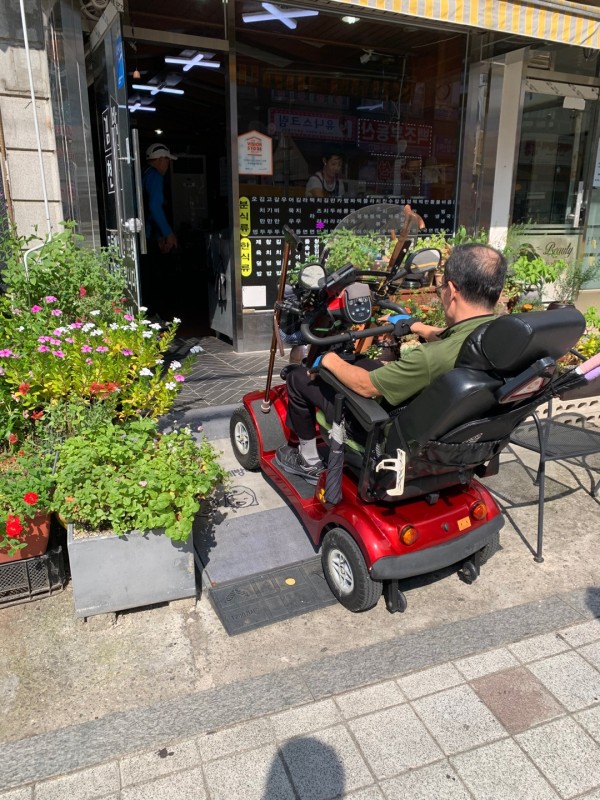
(45, 360)
(80, 279)
(129, 477)
(26, 488)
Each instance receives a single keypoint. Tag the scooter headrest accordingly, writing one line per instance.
(512, 342)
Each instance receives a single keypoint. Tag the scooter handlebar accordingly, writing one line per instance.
(338, 338)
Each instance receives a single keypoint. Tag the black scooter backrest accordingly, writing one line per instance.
(495, 351)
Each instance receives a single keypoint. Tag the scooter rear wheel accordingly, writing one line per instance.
(244, 439)
(346, 572)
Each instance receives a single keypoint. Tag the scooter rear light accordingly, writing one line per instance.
(478, 510)
(408, 535)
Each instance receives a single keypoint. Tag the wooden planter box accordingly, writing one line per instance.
(112, 573)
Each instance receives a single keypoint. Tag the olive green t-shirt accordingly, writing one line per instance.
(419, 366)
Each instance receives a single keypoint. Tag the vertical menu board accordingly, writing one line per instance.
(261, 223)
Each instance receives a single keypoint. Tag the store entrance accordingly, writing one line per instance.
(182, 113)
(552, 185)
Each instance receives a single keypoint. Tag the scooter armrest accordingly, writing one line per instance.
(367, 412)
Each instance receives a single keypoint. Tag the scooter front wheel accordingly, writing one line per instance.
(244, 439)
(346, 572)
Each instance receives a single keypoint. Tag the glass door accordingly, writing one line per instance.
(118, 206)
(552, 186)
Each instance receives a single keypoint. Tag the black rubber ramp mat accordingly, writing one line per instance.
(258, 600)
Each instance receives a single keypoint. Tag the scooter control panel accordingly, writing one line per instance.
(358, 306)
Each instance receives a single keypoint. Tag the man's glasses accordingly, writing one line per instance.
(440, 289)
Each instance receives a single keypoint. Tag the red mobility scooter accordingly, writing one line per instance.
(400, 497)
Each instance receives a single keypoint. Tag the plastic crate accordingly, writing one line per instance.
(31, 578)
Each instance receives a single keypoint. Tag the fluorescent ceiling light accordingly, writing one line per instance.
(350, 20)
(192, 58)
(286, 16)
(155, 89)
(137, 106)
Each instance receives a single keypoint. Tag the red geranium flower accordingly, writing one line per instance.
(30, 498)
(82, 291)
(12, 438)
(13, 525)
(37, 414)
(24, 388)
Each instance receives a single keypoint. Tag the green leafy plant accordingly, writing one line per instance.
(129, 477)
(571, 277)
(82, 279)
(361, 250)
(26, 489)
(464, 236)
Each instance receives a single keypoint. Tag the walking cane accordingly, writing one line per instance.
(403, 242)
(291, 241)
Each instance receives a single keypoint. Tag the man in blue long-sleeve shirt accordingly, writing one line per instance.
(158, 231)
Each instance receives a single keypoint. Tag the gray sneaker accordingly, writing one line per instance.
(290, 460)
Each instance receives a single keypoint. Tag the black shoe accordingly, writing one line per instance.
(290, 460)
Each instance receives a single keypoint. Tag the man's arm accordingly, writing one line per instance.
(355, 378)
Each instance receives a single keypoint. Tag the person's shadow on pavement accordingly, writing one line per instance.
(314, 768)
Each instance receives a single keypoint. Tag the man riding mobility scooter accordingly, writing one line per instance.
(400, 495)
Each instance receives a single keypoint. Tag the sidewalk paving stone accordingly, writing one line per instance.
(537, 647)
(90, 783)
(590, 719)
(483, 664)
(305, 719)
(582, 686)
(325, 765)
(503, 772)
(458, 719)
(159, 762)
(188, 785)
(246, 736)
(565, 754)
(394, 740)
(428, 681)
(253, 776)
(438, 781)
(368, 699)
(517, 699)
(584, 633)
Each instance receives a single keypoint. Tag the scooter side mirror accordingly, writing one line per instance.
(423, 261)
(311, 276)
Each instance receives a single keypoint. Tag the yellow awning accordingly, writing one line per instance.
(551, 20)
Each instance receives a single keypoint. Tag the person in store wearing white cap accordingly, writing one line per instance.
(158, 230)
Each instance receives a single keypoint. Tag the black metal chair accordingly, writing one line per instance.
(556, 440)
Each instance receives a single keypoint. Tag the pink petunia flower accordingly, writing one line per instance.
(102, 349)
(86, 349)
(128, 317)
(89, 361)
(127, 352)
(35, 309)
(56, 312)
(50, 298)
(58, 353)
(179, 378)
(43, 349)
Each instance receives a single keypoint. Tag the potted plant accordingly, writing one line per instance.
(130, 495)
(26, 488)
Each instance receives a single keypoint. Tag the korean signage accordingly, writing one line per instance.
(255, 154)
(385, 137)
(262, 219)
(109, 134)
(313, 124)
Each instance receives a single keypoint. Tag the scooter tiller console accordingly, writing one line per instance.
(358, 306)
